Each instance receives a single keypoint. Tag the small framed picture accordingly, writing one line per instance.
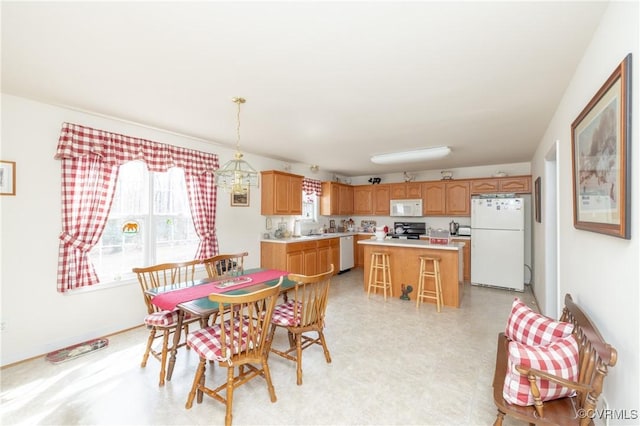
(537, 200)
(332, 223)
(7, 177)
(240, 200)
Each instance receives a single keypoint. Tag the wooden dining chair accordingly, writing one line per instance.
(162, 324)
(238, 338)
(225, 264)
(303, 313)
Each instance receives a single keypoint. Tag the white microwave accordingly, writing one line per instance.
(406, 208)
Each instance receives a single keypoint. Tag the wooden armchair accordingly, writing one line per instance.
(225, 264)
(595, 357)
(237, 339)
(162, 324)
(304, 313)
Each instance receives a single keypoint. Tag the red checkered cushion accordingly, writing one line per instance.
(531, 328)
(559, 358)
(164, 318)
(284, 314)
(207, 341)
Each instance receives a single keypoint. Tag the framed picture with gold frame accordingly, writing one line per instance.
(240, 200)
(600, 145)
(7, 178)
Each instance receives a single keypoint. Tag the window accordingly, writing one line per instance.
(91, 163)
(311, 191)
(149, 223)
(310, 206)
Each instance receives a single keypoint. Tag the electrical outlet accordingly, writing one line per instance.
(3, 325)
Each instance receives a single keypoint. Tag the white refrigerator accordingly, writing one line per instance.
(497, 242)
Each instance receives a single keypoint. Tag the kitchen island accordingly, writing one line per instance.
(405, 265)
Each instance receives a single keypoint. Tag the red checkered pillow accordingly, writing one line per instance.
(164, 318)
(531, 328)
(285, 314)
(207, 342)
(559, 358)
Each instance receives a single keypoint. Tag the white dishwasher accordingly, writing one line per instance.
(346, 253)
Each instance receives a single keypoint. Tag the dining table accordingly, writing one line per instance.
(192, 297)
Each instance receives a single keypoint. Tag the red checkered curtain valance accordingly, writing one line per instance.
(312, 186)
(115, 149)
(91, 160)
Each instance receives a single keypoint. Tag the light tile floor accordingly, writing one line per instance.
(393, 364)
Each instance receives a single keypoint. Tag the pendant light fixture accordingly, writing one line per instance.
(236, 176)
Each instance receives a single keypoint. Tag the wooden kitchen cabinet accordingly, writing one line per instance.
(307, 257)
(345, 205)
(450, 198)
(302, 258)
(516, 184)
(381, 198)
(466, 252)
(358, 249)
(433, 198)
(281, 193)
(406, 190)
(458, 200)
(371, 200)
(484, 186)
(336, 199)
(363, 200)
(328, 253)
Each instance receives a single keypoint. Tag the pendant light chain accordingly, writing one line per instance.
(238, 101)
(236, 176)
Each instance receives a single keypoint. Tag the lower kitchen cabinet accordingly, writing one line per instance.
(328, 253)
(358, 250)
(466, 253)
(307, 257)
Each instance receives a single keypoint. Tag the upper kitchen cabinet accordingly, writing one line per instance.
(446, 198)
(281, 193)
(433, 198)
(371, 200)
(363, 199)
(516, 184)
(381, 198)
(336, 199)
(406, 190)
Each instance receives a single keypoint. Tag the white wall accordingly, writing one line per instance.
(601, 272)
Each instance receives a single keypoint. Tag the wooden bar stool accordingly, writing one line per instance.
(380, 265)
(434, 274)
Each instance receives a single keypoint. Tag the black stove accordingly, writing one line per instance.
(408, 230)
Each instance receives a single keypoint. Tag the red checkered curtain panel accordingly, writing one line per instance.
(202, 200)
(90, 162)
(312, 186)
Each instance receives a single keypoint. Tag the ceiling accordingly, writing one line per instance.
(326, 83)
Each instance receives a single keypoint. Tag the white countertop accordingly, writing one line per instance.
(313, 237)
(346, 234)
(396, 242)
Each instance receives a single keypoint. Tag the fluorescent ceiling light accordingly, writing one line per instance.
(411, 156)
